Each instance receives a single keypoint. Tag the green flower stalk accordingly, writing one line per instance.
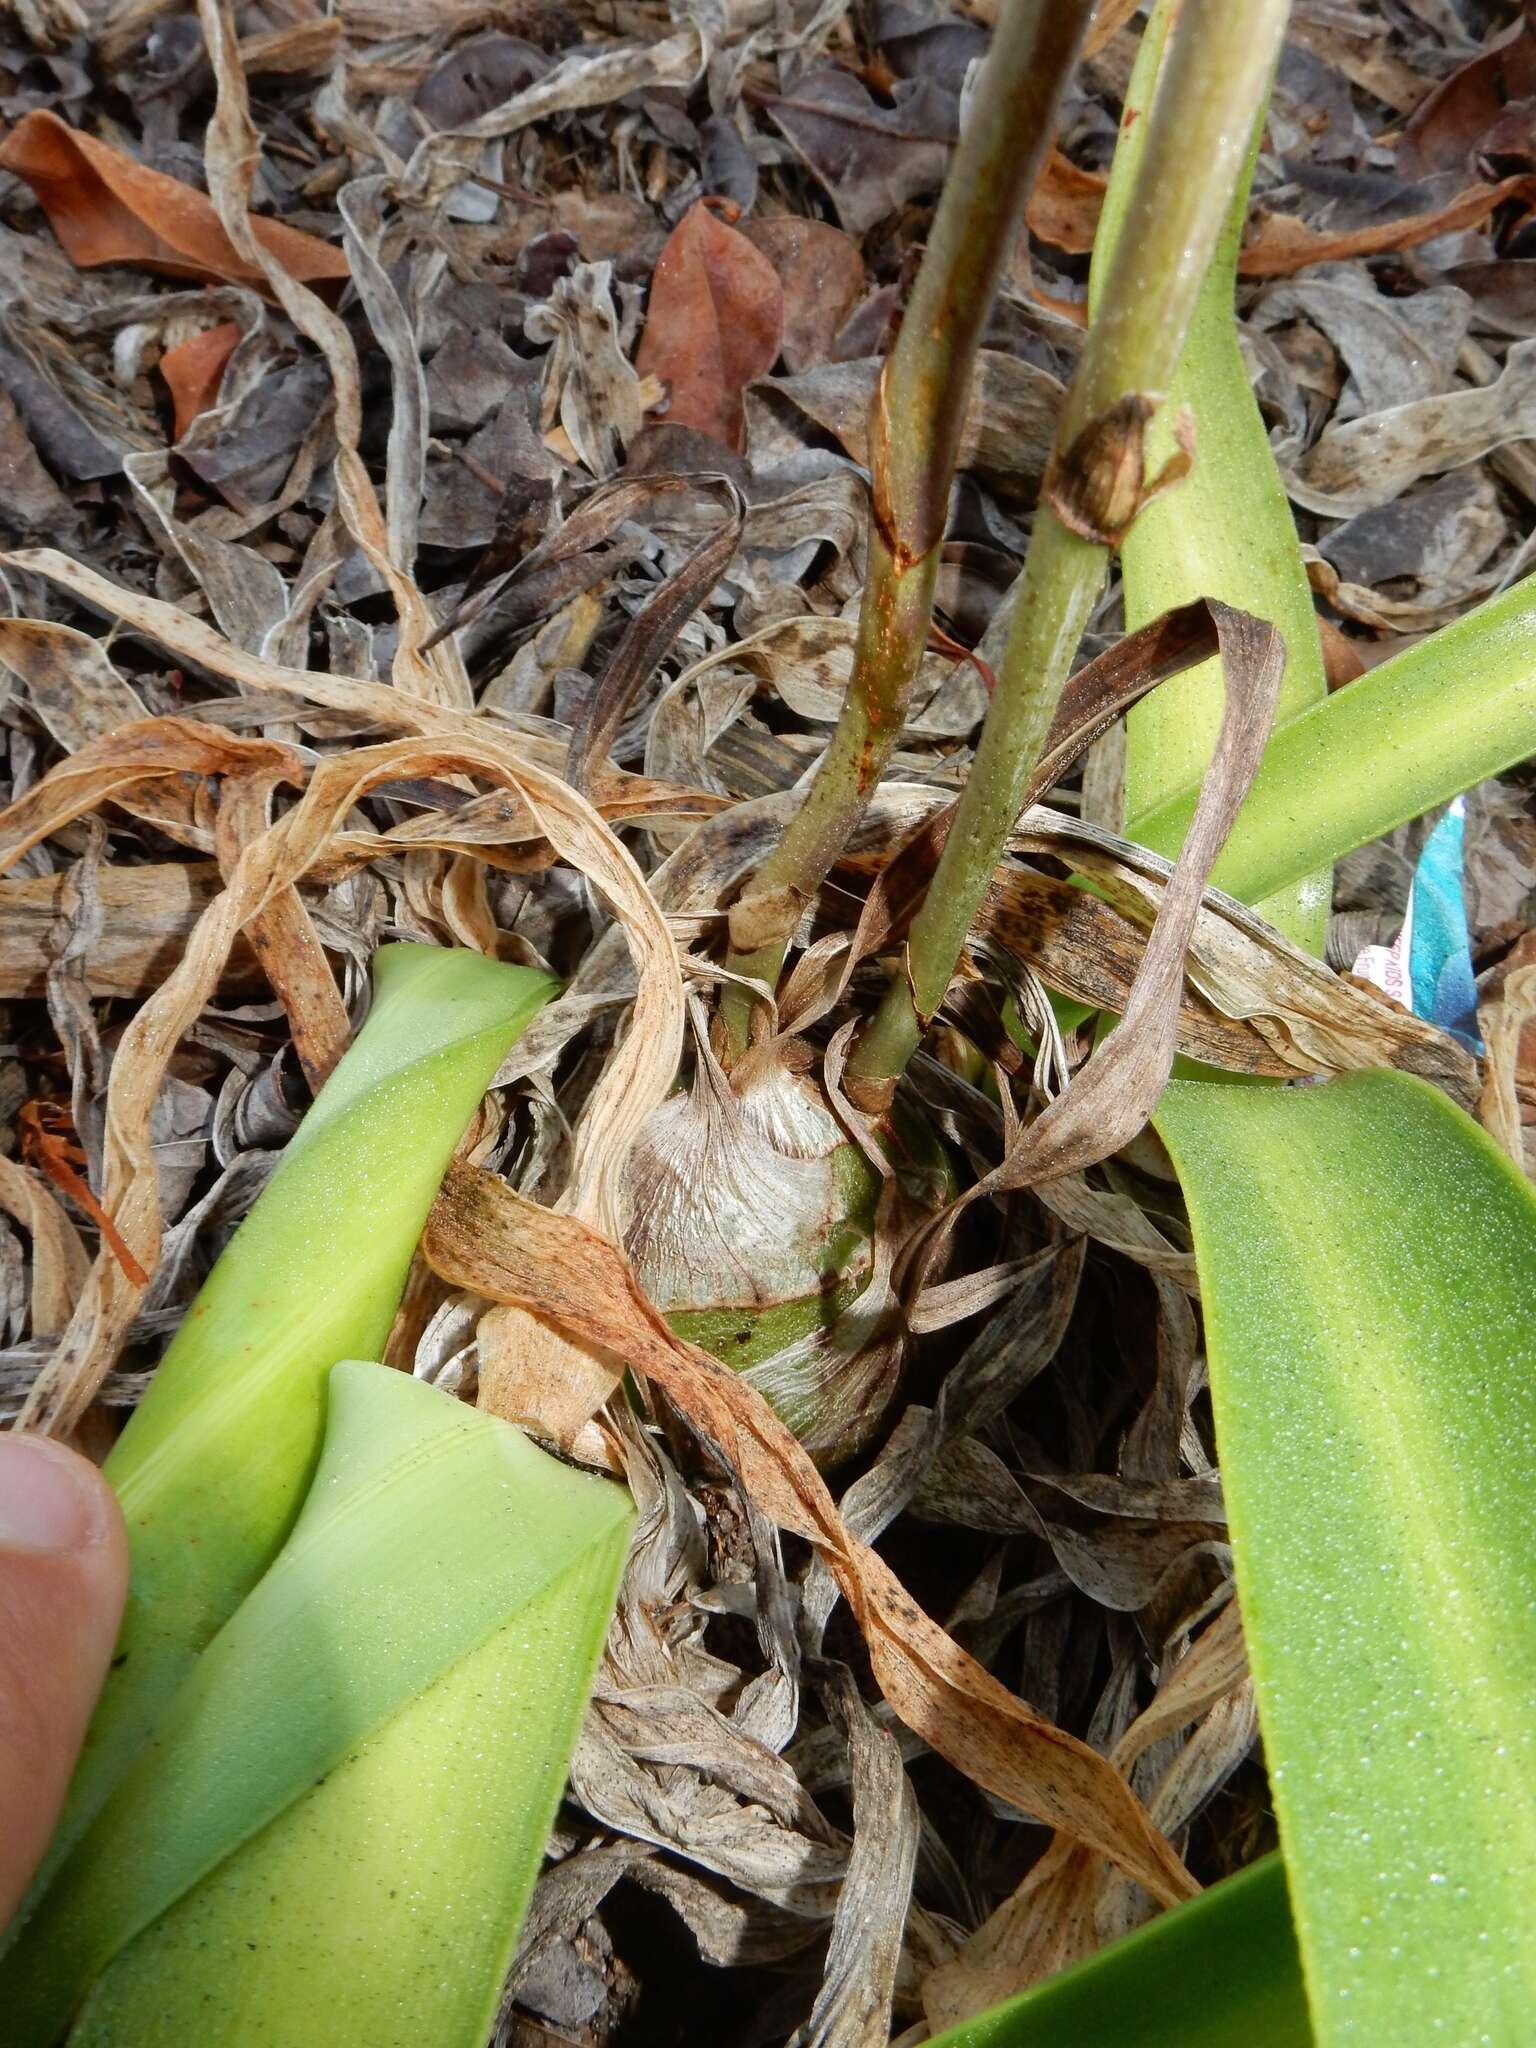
(915, 427)
(1212, 83)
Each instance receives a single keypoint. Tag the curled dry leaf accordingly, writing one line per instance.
(69, 681)
(1065, 205)
(635, 1078)
(284, 940)
(1282, 245)
(483, 1236)
(105, 208)
(1359, 464)
(1449, 129)
(1111, 1099)
(715, 321)
(1254, 1003)
(871, 158)
(59, 1260)
(1049, 1921)
(1509, 1030)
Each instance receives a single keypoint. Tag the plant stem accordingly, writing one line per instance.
(916, 420)
(1213, 83)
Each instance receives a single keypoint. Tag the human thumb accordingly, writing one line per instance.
(63, 1580)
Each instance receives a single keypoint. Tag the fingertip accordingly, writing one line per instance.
(52, 1500)
(63, 1581)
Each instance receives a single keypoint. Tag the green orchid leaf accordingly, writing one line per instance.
(1219, 1972)
(1435, 720)
(349, 1797)
(1224, 531)
(215, 1462)
(1367, 1264)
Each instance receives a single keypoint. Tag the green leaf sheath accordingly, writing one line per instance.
(1433, 721)
(1225, 531)
(1219, 1972)
(1367, 1263)
(341, 1812)
(213, 1466)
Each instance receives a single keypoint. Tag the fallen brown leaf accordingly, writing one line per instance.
(105, 208)
(1065, 205)
(194, 369)
(715, 321)
(1450, 128)
(822, 274)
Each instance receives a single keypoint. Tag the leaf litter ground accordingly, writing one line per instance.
(598, 299)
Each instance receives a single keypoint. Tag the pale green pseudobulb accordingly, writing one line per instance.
(751, 1220)
(336, 1826)
(215, 1462)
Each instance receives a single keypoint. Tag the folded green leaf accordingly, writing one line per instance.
(1219, 1972)
(341, 1812)
(1434, 720)
(1375, 1407)
(214, 1464)
(1226, 531)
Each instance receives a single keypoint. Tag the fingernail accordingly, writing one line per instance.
(50, 1499)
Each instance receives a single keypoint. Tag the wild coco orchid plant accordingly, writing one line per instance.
(365, 1618)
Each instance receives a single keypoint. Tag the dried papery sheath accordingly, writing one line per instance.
(751, 1220)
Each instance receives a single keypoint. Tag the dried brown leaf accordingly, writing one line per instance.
(1065, 205)
(60, 1260)
(715, 322)
(194, 369)
(1111, 1098)
(821, 273)
(635, 1079)
(105, 208)
(483, 1236)
(871, 158)
(70, 683)
(1507, 1026)
(1450, 127)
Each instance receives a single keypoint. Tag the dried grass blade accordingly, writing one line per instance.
(635, 1079)
(648, 638)
(60, 1260)
(232, 153)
